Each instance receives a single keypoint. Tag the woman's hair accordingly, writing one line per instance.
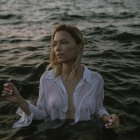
(77, 36)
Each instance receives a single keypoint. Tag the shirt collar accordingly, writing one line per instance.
(86, 75)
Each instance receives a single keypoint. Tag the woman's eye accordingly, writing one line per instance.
(61, 42)
(54, 44)
(64, 42)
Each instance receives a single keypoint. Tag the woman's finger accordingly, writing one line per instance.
(114, 117)
(12, 87)
(5, 93)
(113, 121)
(8, 85)
(7, 89)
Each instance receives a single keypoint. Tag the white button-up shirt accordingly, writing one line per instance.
(53, 99)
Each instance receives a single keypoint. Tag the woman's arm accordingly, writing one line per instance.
(111, 121)
(12, 94)
(26, 110)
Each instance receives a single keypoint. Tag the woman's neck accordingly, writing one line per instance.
(67, 70)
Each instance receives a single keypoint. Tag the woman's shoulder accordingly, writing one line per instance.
(94, 75)
(97, 75)
(48, 75)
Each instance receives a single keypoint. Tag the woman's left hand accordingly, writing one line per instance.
(112, 121)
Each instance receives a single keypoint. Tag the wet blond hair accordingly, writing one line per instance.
(77, 36)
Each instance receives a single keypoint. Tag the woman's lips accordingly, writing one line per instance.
(59, 55)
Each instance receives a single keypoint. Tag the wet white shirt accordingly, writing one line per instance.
(53, 100)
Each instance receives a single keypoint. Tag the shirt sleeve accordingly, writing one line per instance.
(38, 112)
(100, 109)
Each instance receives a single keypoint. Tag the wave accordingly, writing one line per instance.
(125, 36)
(10, 16)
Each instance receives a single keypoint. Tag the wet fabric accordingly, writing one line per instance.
(52, 102)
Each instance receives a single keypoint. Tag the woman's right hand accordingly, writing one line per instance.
(11, 93)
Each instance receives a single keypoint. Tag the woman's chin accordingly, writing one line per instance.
(61, 61)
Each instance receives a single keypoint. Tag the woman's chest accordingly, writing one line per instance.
(70, 98)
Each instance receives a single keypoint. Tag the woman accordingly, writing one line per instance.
(68, 89)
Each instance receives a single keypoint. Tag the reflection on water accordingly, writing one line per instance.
(112, 36)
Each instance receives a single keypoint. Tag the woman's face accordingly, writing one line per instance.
(64, 47)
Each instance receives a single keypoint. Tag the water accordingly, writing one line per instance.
(112, 36)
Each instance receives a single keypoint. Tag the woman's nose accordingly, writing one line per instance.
(58, 46)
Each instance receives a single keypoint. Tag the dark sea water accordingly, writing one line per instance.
(111, 29)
